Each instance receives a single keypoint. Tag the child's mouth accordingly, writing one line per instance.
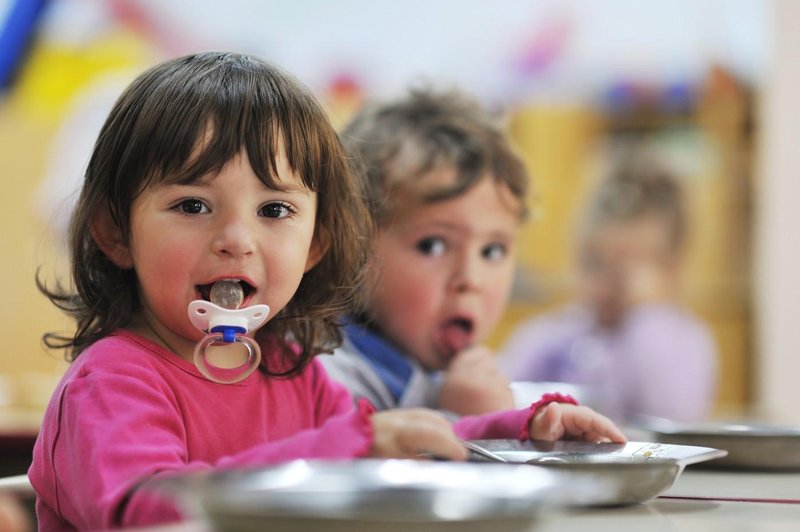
(456, 335)
(205, 289)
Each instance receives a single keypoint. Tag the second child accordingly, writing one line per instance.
(447, 193)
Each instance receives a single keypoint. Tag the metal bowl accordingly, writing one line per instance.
(632, 472)
(749, 446)
(364, 494)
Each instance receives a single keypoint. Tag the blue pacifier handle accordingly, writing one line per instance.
(228, 332)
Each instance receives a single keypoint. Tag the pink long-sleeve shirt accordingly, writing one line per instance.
(128, 410)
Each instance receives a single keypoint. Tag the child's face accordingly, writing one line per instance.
(444, 271)
(229, 226)
(626, 263)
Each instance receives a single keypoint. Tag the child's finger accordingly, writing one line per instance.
(605, 428)
(473, 357)
(592, 426)
(438, 445)
(547, 423)
(428, 432)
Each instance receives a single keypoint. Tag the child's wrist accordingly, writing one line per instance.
(544, 400)
(364, 411)
(553, 397)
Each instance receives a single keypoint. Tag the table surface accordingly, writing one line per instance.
(737, 485)
(679, 515)
(700, 500)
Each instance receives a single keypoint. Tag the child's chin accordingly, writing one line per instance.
(441, 362)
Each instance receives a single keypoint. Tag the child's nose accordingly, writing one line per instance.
(234, 236)
(468, 273)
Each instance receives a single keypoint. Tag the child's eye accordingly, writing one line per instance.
(494, 252)
(276, 210)
(192, 206)
(431, 246)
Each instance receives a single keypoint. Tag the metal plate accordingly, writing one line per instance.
(632, 472)
(749, 446)
(365, 494)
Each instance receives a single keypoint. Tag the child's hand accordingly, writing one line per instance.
(473, 384)
(559, 421)
(406, 433)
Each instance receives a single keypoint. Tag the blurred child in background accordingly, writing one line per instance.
(447, 193)
(626, 341)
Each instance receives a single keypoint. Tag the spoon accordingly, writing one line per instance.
(482, 451)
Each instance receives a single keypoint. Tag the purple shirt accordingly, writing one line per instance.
(661, 361)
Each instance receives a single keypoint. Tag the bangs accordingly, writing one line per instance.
(469, 159)
(417, 158)
(197, 120)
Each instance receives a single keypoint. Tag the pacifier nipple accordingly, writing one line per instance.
(227, 294)
(226, 354)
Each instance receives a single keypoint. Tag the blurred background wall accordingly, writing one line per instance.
(577, 81)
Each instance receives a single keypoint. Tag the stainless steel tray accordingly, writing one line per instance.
(749, 446)
(632, 472)
(365, 494)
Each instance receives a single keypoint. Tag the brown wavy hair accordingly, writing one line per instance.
(151, 136)
(398, 143)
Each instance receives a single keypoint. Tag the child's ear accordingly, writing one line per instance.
(319, 247)
(109, 238)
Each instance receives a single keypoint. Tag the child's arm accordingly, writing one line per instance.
(473, 384)
(554, 416)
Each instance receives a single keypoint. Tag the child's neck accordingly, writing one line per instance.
(146, 327)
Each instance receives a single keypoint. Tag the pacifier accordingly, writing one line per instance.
(226, 326)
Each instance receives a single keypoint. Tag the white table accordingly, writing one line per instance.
(700, 501)
(754, 486)
(680, 515)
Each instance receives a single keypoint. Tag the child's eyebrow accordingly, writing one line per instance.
(206, 182)
(290, 187)
(287, 188)
(458, 228)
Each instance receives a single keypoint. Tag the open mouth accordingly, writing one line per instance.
(457, 334)
(205, 289)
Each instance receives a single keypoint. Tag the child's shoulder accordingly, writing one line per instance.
(124, 352)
